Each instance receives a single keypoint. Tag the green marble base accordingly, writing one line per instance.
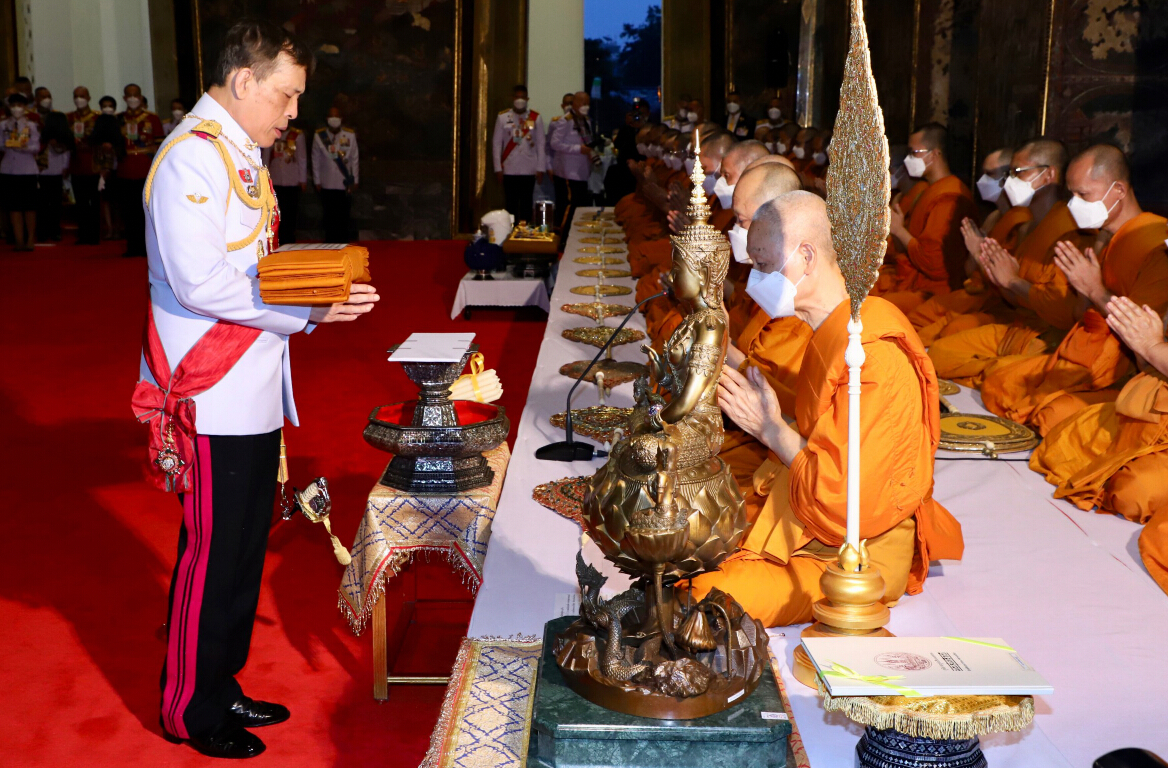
(568, 731)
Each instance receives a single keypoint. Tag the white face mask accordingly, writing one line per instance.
(798, 152)
(773, 293)
(774, 113)
(519, 104)
(737, 237)
(989, 188)
(674, 162)
(567, 109)
(1091, 215)
(80, 102)
(781, 148)
(643, 149)
(334, 122)
(725, 193)
(770, 145)
(689, 165)
(914, 165)
(1019, 192)
(133, 102)
(733, 107)
(46, 104)
(682, 113)
(709, 182)
(107, 110)
(819, 158)
(177, 114)
(17, 112)
(691, 117)
(584, 111)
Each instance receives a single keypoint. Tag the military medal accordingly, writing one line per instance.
(168, 459)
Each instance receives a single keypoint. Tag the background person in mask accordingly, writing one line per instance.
(517, 148)
(178, 111)
(83, 170)
(695, 114)
(107, 140)
(738, 124)
(53, 162)
(20, 136)
(1091, 361)
(572, 140)
(336, 169)
(995, 168)
(801, 524)
(680, 116)
(141, 133)
(559, 186)
(773, 120)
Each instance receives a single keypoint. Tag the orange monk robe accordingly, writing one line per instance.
(933, 261)
(775, 574)
(1048, 310)
(739, 306)
(907, 201)
(1045, 389)
(968, 307)
(1114, 456)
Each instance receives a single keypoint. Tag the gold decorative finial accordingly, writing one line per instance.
(703, 248)
(698, 210)
(858, 186)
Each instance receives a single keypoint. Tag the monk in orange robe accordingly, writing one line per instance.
(1088, 365)
(933, 250)
(1039, 304)
(800, 527)
(1114, 456)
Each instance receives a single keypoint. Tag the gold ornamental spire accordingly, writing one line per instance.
(699, 211)
(858, 186)
(703, 248)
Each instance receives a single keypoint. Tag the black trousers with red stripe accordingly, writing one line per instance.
(216, 582)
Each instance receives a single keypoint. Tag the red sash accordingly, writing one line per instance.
(172, 437)
(526, 129)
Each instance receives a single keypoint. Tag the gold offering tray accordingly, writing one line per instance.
(602, 290)
(598, 260)
(592, 240)
(596, 310)
(604, 273)
(597, 421)
(522, 232)
(946, 388)
(990, 435)
(616, 372)
(602, 249)
(597, 335)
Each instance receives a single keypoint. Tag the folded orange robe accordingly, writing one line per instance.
(775, 574)
(942, 315)
(312, 276)
(1045, 389)
(1047, 311)
(1114, 456)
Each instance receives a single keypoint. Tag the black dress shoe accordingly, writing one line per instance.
(249, 713)
(228, 741)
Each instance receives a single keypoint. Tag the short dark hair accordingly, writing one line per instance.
(16, 97)
(107, 100)
(256, 45)
(131, 85)
(934, 136)
(21, 80)
(520, 87)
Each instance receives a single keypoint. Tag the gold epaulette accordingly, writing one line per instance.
(504, 111)
(322, 130)
(557, 117)
(209, 127)
(347, 128)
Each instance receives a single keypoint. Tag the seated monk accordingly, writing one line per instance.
(814, 173)
(1114, 456)
(958, 310)
(631, 204)
(931, 252)
(775, 574)
(785, 140)
(1038, 304)
(1091, 362)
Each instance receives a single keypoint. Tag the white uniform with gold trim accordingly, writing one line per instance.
(203, 243)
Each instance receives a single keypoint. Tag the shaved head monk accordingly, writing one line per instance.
(1088, 365)
(1114, 456)
(929, 249)
(1038, 306)
(775, 574)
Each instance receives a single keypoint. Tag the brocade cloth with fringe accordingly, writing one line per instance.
(398, 524)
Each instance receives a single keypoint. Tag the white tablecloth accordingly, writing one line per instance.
(1064, 587)
(505, 290)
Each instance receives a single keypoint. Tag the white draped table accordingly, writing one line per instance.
(1063, 586)
(503, 290)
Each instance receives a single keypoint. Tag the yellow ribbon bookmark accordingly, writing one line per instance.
(839, 670)
(1006, 648)
(477, 363)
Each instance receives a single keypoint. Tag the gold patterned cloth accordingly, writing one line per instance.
(598, 335)
(398, 524)
(564, 497)
(616, 372)
(485, 720)
(596, 421)
(601, 290)
(596, 310)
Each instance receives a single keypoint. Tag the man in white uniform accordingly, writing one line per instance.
(215, 379)
(287, 162)
(337, 170)
(518, 147)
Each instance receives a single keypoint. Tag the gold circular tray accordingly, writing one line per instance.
(616, 372)
(596, 310)
(946, 388)
(602, 290)
(597, 335)
(595, 240)
(991, 435)
(604, 272)
(599, 260)
(597, 421)
(603, 249)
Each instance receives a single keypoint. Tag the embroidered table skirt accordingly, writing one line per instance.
(398, 524)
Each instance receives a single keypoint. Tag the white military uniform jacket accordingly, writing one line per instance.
(203, 243)
(526, 129)
(327, 145)
(287, 159)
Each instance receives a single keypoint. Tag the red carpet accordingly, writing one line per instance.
(88, 547)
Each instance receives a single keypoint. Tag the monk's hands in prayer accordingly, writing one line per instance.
(896, 226)
(1000, 266)
(752, 404)
(1139, 327)
(972, 236)
(1083, 272)
(362, 297)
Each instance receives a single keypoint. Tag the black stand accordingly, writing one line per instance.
(569, 449)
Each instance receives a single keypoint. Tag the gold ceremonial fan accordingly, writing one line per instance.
(597, 421)
(596, 310)
(602, 249)
(602, 290)
(604, 273)
(946, 388)
(616, 372)
(591, 240)
(597, 335)
(598, 260)
(990, 435)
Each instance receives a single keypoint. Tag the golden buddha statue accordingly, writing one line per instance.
(663, 508)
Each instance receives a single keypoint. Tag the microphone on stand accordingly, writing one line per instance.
(569, 449)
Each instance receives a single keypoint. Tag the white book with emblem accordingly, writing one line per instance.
(922, 666)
